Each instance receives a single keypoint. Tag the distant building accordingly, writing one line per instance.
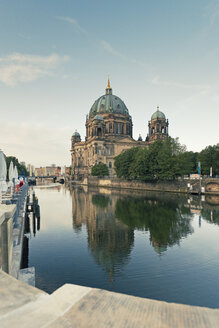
(48, 171)
(30, 169)
(58, 171)
(109, 132)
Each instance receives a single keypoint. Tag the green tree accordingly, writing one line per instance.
(100, 170)
(21, 168)
(186, 163)
(140, 168)
(124, 161)
(209, 157)
(165, 159)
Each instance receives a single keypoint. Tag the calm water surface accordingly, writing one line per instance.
(153, 245)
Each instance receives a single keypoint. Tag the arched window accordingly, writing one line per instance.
(110, 165)
(99, 132)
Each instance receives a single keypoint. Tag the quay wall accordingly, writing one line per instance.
(204, 186)
(12, 222)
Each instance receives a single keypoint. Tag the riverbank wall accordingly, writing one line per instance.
(24, 306)
(202, 186)
(12, 223)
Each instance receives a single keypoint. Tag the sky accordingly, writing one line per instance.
(55, 56)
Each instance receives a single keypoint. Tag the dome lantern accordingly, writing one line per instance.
(108, 103)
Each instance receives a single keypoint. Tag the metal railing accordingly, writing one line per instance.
(19, 199)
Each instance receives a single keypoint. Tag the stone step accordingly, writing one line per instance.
(23, 306)
(15, 294)
(38, 309)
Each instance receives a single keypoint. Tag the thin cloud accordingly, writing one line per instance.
(211, 12)
(73, 22)
(158, 81)
(107, 47)
(21, 68)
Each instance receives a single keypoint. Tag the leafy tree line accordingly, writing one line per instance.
(165, 160)
(21, 168)
(100, 169)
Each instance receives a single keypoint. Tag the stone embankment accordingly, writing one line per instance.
(12, 222)
(203, 186)
(25, 306)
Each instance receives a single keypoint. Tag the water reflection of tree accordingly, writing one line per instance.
(212, 216)
(100, 200)
(163, 220)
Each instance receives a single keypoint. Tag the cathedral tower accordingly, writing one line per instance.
(157, 127)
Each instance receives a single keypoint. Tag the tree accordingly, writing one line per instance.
(21, 168)
(140, 168)
(100, 170)
(164, 160)
(186, 163)
(124, 161)
(209, 157)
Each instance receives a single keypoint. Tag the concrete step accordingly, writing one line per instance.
(15, 294)
(28, 307)
(23, 306)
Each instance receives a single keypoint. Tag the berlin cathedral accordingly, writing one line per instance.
(109, 132)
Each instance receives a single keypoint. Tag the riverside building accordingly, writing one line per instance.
(109, 129)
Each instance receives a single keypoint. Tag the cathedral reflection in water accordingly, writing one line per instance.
(110, 240)
(111, 220)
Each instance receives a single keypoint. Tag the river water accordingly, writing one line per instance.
(156, 245)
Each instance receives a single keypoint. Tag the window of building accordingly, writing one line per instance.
(99, 132)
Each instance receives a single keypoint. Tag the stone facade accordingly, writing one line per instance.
(109, 131)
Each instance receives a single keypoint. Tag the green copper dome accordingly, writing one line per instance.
(76, 134)
(108, 103)
(158, 115)
(98, 118)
